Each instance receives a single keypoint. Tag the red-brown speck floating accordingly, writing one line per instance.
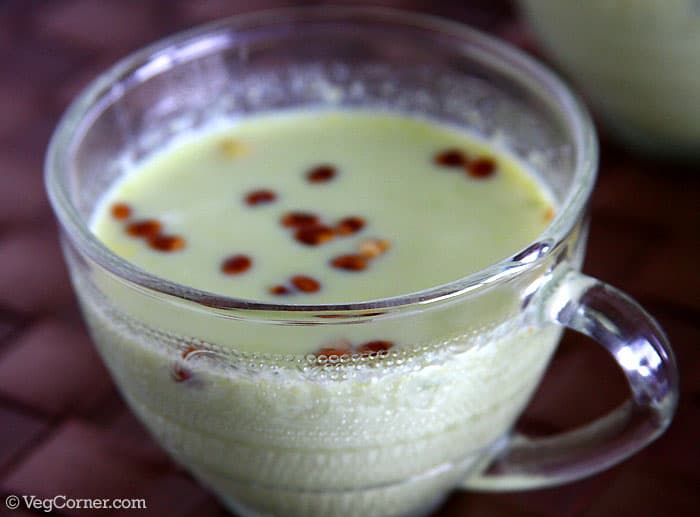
(350, 225)
(166, 243)
(121, 211)
(299, 219)
(350, 262)
(191, 349)
(236, 264)
(313, 235)
(279, 290)
(481, 168)
(330, 351)
(260, 197)
(370, 314)
(147, 228)
(342, 348)
(321, 174)
(549, 214)
(373, 248)
(180, 374)
(374, 346)
(305, 284)
(451, 158)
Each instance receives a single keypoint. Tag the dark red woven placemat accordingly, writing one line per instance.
(63, 427)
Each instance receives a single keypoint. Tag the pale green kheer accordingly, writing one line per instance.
(271, 434)
(441, 223)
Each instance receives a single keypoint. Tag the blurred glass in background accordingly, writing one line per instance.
(636, 61)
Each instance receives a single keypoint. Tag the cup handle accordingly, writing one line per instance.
(640, 347)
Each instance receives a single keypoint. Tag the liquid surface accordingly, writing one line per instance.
(398, 205)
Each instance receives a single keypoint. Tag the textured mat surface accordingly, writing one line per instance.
(64, 429)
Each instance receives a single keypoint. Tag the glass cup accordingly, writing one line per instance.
(382, 434)
(637, 62)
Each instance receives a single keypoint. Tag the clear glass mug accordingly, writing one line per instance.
(380, 434)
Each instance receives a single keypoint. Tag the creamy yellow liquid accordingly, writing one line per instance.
(235, 398)
(440, 223)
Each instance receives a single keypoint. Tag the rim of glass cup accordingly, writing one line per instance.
(196, 42)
